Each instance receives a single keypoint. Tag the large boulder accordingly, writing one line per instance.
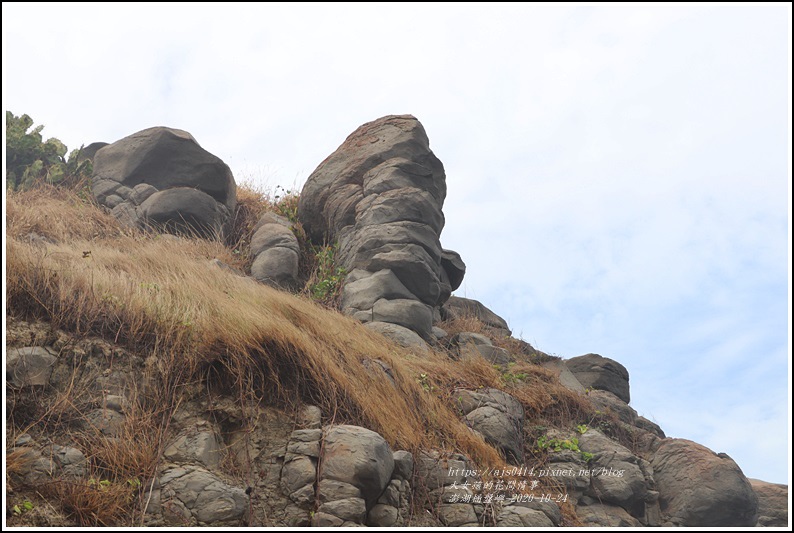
(191, 495)
(457, 307)
(29, 366)
(699, 488)
(161, 177)
(380, 196)
(772, 503)
(276, 252)
(497, 416)
(359, 457)
(617, 476)
(596, 372)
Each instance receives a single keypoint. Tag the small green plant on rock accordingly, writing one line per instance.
(424, 382)
(22, 508)
(326, 281)
(509, 377)
(557, 445)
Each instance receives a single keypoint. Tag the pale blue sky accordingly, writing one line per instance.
(618, 177)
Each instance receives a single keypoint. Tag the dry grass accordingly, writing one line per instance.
(93, 501)
(161, 296)
(133, 453)
(520, 349)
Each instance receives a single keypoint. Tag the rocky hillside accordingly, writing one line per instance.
(184, 351)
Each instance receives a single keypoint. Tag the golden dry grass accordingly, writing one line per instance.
(161, 296)
(93, 501)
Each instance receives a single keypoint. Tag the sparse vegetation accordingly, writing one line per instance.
(325, 283)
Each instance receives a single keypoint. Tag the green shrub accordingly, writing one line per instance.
(30, 160)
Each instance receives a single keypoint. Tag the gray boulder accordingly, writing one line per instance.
(518, 516)
(363, 289)
(497, 416)
(329, 490)
(359, 457)
(30, 366)
(434, 470)
(596, 372)
(699, 488)
(606, 401)
(605, 515)
(276, 252)
(199, 497)
(88, 152)
(106, 421)
(616, 476)
(161, 177)
(400, 335)
(567, 379)
(348, 509)
(466, 344)
(71, 460)
(453, 268)
(195, 446)
(380, 196)
(403, 465)
(30, 466)
(457, 307)
(772, 503)
(650, 426)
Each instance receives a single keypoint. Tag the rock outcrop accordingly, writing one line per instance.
(276, 252)
(161, 177)
(457, 307)
(772, 503)
(698, 487)
(596, 372)
(380, 195)
(497, 416)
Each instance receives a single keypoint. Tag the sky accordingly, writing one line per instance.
(619, 176)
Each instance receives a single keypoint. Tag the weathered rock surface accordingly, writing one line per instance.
(276, 252)
(30, 366)
(380, 195)
(88, 152)
(497, 416)
(772, 503)
(195, 446)
(359, 457)
(457, 307)
(107, 421)
(596, 372)
(616, 474)
(194, 496)
(162, 177)
(441, 476)
(605, 515)
(607, 402)
(566, 377)
(399, 334)
(71, 461)
(28, 465)
(698, 487)
(518, 516)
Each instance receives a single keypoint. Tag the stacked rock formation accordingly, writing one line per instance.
(162, 177)
(380, 195)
